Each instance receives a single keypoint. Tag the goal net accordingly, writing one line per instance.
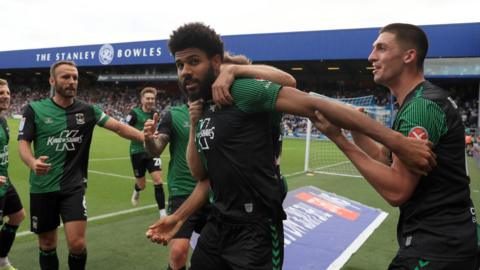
(323, 156)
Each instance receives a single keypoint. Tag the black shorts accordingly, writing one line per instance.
(141, 162)
(224, 244)
(47, 208)
(194, 223)
(9, 203)
(407, 263)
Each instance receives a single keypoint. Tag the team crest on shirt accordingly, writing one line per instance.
(213, 108)
(80, 118)
(418, 132)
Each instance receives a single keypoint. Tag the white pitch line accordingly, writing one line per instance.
(117, 175)
(108, 159)
(118, 158)
(123, 212)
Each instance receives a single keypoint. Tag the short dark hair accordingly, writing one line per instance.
(54, 66)
(196, 35)
(411, 36)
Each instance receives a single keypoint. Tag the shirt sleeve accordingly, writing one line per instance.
(100, 116)
(165, 125)
(26, 128)
(131, 118)
(423, 119)
(252, 95)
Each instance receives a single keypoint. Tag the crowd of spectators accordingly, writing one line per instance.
(117, 102)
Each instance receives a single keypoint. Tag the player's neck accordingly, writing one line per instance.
(63, 102)
(405, 84)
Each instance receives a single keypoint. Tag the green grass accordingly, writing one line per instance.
(118, 242)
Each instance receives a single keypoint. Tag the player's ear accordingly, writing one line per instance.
(410, 56)
(216, 62)
(51, 80)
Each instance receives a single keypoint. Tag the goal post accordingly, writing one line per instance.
(322, 155)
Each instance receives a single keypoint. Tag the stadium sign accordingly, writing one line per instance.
(132, 53)
(106, 54)
(323, 229)
(463, 42)
(137, 77)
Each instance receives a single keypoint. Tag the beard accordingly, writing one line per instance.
(204, 90)
(65, 92)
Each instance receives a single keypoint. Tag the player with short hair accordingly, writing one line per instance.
(437, 223)
(236, 154)
(10, 204)
(141, 161)
(61, 130)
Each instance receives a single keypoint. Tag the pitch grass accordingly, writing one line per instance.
(118, 242)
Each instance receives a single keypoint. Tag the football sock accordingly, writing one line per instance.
(77, 261)
(48, 259)
(7, 236)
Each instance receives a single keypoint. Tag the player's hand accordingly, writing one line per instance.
(3, 180)
(221, 87)
(164, 229)
(195, 110)
(416, 154)
(324, 126)
(40, 167)
(150, 127)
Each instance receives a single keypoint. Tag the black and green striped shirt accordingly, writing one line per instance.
(64, 135)
(176, 124)
(237, 146)
(4, 139)
(137, 118)
(438, 221)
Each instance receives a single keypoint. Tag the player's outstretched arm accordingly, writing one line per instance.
(394, 183)
(154, 143)
(193, 156)
(37, 165)
(371, 147)
(123, 130)
(166, 227)
(228, 72)
(416, 154)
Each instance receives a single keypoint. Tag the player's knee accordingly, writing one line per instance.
(178, 256)
(157, 180)
(77, 246)
(17, 218)
(141, 183)
(47, 243)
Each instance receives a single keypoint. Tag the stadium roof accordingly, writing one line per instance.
(446, 41)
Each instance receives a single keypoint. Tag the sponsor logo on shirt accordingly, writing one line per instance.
(4, 155)
(418, 132)
(206, 133)
(65, 141)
